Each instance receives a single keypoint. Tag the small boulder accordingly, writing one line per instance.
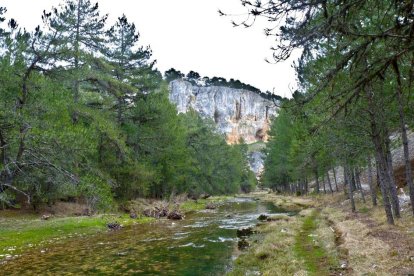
(175, 215)
(263, 217)
(242, 244)
(45, 217)
(193, 197)
(133, 215)
(162, 212)
(344, 265)
(156, 212)
(205, 196)
(278, 217)
(114, 226)
(211, 206)
(86, 212)
(244, 232)
(150, 213)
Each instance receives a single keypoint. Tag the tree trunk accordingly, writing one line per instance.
(300, 187)
(317, 181)
(3, 154)
(350, 189)
(393, 187)
(336, 182)
(408, 170)
(345, 180)
(120, 107)
(383, 186)
(358, 182)
(323, 183)
(379, 153)
(352, 178)
(372, 189)
(76, 83)
(306, 186)
(329, 182)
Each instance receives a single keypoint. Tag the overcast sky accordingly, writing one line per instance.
(189, 35)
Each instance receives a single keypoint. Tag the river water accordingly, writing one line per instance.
(202, 244)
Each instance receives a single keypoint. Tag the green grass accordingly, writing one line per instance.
(20, 233)
(310, 250)
(192, 205)
(364, 210)
(271, 251)
(258, 146)
(200, 204)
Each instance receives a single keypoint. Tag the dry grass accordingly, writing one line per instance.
(66, 208)
(363, 241)
(277, 251)
(326, 234)
(373, 246)
(366, 254)
(274, 254)
(290, 203)
(277, 217)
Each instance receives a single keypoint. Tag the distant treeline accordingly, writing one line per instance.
(196, 79)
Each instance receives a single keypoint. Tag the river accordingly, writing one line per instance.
(204, 243)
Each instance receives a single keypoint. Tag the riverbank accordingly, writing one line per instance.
(21, 231)
(325, 238)
(201, 244)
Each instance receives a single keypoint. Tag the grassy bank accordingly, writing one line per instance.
(287, 245)
(312, 249)
(200, 204)
(20, 231)
(325, 238)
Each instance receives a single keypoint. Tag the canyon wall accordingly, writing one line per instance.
(241, 115)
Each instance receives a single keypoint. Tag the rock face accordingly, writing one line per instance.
(239, 114)
(256, 162)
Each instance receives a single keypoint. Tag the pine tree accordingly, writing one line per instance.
(128, 61)
(81, 35)
(173, 74)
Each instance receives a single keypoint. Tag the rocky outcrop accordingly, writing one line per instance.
(239, 114)
(256, 162)
(397, 153)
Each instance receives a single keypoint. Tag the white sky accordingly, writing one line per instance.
(189, 35)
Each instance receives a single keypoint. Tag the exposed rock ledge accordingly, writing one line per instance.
(239, 114)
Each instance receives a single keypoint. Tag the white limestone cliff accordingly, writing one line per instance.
(239, 114)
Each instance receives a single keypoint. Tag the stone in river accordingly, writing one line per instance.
(243, 244)
(263, 217)
(175, 215)
(244, 232)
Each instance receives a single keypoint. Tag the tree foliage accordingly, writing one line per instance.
(85, 114)
(196, 79)
(355, 72)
